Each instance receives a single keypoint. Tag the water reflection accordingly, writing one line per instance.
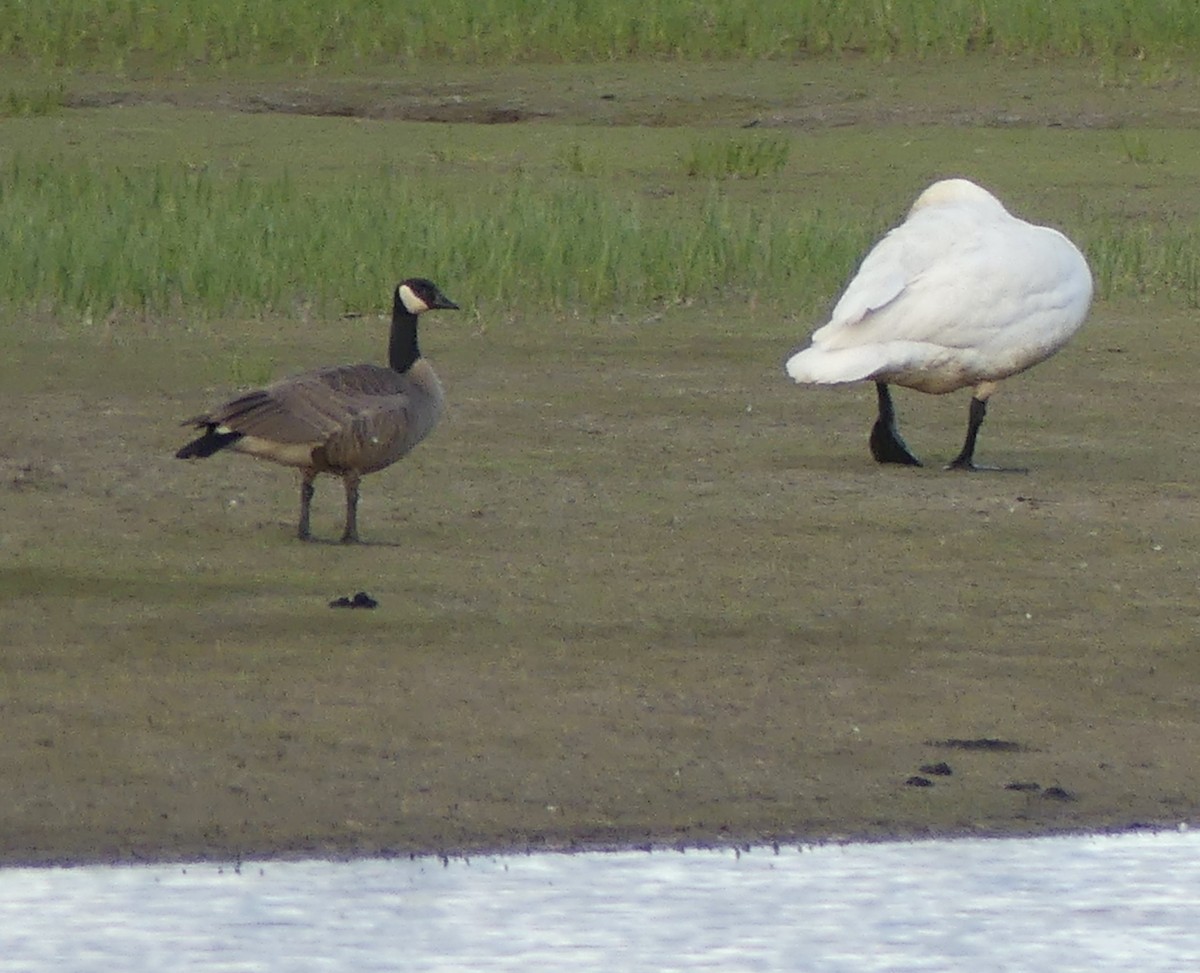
(1065, 904)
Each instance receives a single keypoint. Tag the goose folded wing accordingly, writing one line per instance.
(359, 381)
(376, 435)
(298, 410)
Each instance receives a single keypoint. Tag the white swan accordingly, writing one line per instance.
(960, 294)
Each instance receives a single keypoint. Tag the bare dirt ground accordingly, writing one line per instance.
(807, 95)
(635, 590)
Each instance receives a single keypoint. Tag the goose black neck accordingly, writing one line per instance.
(402, 348)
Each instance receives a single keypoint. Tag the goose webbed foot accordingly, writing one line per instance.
(887, 445)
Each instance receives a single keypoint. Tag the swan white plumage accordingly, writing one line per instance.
(962, 293)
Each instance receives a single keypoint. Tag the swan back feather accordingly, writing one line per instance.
(960, 293)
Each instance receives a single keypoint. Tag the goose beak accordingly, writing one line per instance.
(442, 302)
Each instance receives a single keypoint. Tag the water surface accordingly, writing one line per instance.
(1087, 904)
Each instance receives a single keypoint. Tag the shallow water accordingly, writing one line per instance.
(1127, 902)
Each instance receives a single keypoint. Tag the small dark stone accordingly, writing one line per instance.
(1022, 785)
(1058, 794)
(915, 781)
(940, 769)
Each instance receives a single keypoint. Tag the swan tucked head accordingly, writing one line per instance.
(957, 191)
(418, 295)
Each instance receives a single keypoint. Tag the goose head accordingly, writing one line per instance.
(418, 294)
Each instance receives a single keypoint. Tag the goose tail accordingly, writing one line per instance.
(211, 442)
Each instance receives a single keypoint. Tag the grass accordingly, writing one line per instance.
(741, 158)
(1162, 259)
(1138, 151)
(120, 36)
(90, 241)
(97, 244)
(27, 100)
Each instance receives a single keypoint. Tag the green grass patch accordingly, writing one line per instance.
(1138, 150)
(93, 242)
(117, 35)
(148, 214)
(1158, 259)
(25, 101)
(739, 158)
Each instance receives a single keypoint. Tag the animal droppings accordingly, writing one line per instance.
(359, 600)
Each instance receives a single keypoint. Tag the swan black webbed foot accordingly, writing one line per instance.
(887, 445)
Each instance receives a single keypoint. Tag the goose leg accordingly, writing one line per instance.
(887, 446)
(350, 534)
(306, 494)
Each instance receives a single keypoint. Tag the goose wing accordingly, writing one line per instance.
(309, 408)
(381, 425)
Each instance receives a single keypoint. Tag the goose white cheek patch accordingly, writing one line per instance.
(412, 303)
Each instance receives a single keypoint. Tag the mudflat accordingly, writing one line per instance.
(637, 588)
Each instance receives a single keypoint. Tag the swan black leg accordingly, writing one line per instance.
(886, 444)
(965, 460)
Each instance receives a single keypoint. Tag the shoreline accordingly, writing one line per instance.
(741, 844)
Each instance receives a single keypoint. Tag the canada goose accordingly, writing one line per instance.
(348, 420)
(960, 294)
